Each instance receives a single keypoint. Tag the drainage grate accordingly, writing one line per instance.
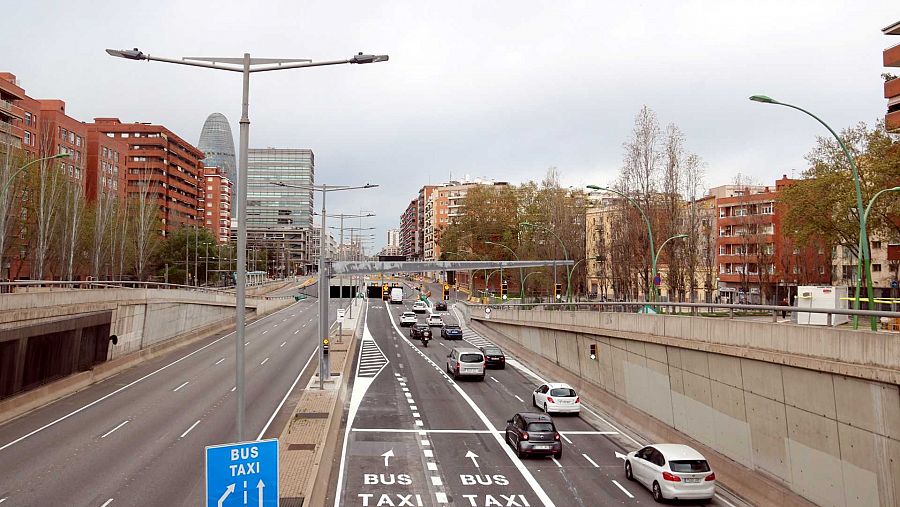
(302, 447)
(294, 501)
(312, 415)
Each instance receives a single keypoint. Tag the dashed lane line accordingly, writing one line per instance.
(566, 439)
(264, 361)
(108, 433)
(179, 387)
(189, 429)
(520, 399)
(627, 493)
(105, 503)
(219, 361)
(282, 344)
(589, 459)
(556, 462)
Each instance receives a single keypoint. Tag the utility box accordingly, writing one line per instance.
(828, 297)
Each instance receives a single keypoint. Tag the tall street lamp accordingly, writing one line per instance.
(245, 65)
(865, 224)
(324, 276)
(521, 270)
(565, 253)
(863, 239)
(659, 251)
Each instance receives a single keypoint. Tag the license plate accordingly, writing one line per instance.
(472, 370)
(542, 447)
(691, 481)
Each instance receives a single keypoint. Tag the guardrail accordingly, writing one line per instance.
(674, 308)
(11, 287)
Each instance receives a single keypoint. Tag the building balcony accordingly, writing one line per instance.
(892, 121)
(762, 218)
(11, 110)
(892, 88)
(13, 130)
(892, 56)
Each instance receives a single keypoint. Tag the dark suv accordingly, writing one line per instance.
(418, 331)
(530, 433)
(440, 306)
(493, 357)
(451, 332)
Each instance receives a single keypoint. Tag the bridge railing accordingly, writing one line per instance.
(58, 285)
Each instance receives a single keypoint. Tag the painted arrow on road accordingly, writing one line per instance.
(229, 490)
(260, 486)
(620, 455)
(387, 456)
(472, 455)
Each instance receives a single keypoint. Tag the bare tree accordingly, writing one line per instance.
(11, 189)
(694, 244)
(102, 241)
(47, 180)
(145, 224)
(71, 216)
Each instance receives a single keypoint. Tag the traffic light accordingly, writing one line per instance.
(593, 351)
(385, 292)
(325, 346)
(557, 291)
(504, 289)
(446, 292)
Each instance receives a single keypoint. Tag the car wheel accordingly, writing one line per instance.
(657, 493)
(533, 401)
(545, 408)
(628, 473)
(558, 455)
(481, 378)
(503, 366)
(519, 452)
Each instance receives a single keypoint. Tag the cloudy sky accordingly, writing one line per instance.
(501, 90)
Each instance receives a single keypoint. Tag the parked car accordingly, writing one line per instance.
(435, 320)
(533, 434)
(671, 471)
(493, 356)
(451, 332)
(440, 306)
(556, 397)
(465, 362)
(408, 319)
(420, 307)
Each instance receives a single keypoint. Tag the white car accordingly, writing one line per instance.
(408, 319)
(556, 397)
(435, 320)
(420, 307)
(671, 471)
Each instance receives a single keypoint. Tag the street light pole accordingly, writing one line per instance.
(245, 65)
(656, 256)
(863, 238)
(521, 270)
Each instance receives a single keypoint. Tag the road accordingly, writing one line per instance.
(138, 437)
(416, 437)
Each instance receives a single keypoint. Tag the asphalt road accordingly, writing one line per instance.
(138, 437)
(416, 437)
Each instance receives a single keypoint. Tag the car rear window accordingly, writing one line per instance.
(451, 327)
(563, 392)
(540, 426)
(471, 358)
(493, 352)
(689, 465)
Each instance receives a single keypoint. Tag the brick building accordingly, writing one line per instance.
(215, 203)
(60, 133)
(166, 164)
(105, 170)
(891, 58)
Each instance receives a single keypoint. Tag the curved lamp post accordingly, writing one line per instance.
(565, 254)
(521, 270)
(653, 290)
(526, 278)
(865, 223)
(659, 251)
(865, 256)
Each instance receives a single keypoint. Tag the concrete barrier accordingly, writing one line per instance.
(774, 400)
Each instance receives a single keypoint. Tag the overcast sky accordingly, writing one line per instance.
(501, 90)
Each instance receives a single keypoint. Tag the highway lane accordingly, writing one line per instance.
(143, 445)
(589, 473)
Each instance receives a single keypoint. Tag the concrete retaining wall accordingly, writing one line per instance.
(830, 437)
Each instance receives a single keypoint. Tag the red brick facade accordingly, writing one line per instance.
(215, 203)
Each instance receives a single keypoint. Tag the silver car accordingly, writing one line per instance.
(465, 362)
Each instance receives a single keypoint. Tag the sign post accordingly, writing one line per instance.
(240, 474)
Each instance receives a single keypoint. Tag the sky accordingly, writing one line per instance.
(501, 90)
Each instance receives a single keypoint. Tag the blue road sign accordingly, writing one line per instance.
(894, 284)
(242, 474)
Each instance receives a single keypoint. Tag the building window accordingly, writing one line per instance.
(876, 268)
(795, 270)
(767, 208)
(27, 138)
(821, 270)
(77, 140)
(876, 244)
(28, 119)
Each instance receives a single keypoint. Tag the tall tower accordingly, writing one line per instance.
(217, 143)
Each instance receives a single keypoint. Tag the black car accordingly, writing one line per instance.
(451, 332)
(440, 306)
(533, 434)
(418, 331)
(493, 356)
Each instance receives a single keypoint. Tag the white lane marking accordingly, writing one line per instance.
(219, 361)
(419, 423)
(425, 443)
(428, 453)
(436, 480)
(440, 497)
(126, 386)
(123, 423)
(276, 325)
(264, 361)
(579, 432)
(416, 415)
(232, 390)
(189, 429)
(3, 499)
(565, 438)
(520, 399)
(297, 331)
(432, 466)
(413, 407)
(495, 380)
(179, 387)
(281, 404)
(442, 345)
(282, 344)
(557, 462)
(589, 459)
(266, 331)
(104, 503)
(247, 343)
(523, 470)
(622, 488)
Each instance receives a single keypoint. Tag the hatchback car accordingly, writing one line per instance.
(435, 320)
(533, 434)
(493, 357)
(418, 331)
(465, 362)
(420, 307)
(451, 332)
(408, 319)
(556, 397)
(440, 306)
(671, 471)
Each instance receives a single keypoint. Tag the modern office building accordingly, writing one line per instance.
(891, 57)
(215, 203)
(393, 237)
(315, 239)
(279, 219)
(217, 143)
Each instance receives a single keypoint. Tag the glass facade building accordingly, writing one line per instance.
(217, 143)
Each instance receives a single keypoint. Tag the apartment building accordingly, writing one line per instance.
(105, 172)
(215, 203)
(891, 58)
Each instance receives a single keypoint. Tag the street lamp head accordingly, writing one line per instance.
(128, 54)
(680, 236)
(526, 224)
(369, 185)
(61, 155)
(361, 58)
(763, 98)
(593, 187)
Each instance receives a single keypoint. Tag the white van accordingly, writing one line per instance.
(397, 295)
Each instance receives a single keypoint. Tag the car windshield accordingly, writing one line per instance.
(470, 358)
(540, 426)
(563, 392)
(689, 465)
(451, 328)
(493, 352)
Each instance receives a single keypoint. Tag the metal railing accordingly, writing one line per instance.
(51, 285)
(693, 309)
